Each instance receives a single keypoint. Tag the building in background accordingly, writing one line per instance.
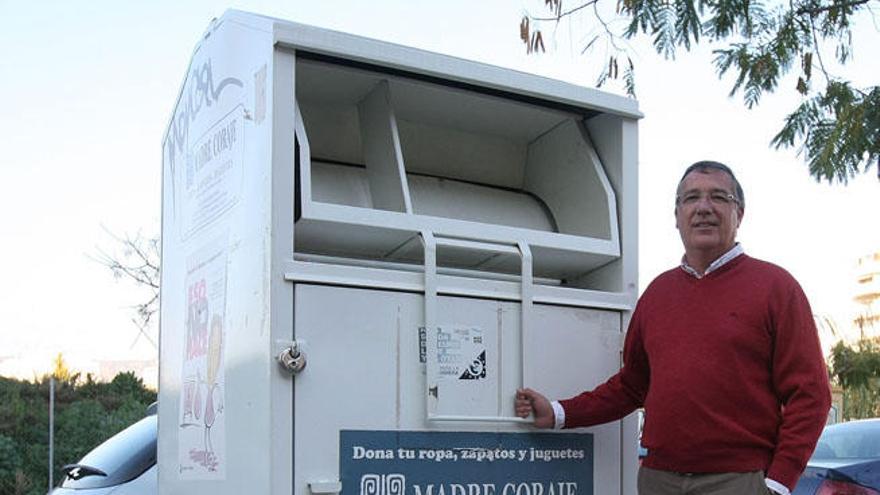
(867, 295)
(861, 317)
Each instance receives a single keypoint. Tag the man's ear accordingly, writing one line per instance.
(740, 213)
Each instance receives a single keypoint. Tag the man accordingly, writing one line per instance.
(722, 353)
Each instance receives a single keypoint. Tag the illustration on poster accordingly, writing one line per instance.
(201, 428)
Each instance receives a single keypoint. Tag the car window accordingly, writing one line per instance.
(854, 440)
(122, 458)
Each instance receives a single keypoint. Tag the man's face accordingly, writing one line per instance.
(705, 215)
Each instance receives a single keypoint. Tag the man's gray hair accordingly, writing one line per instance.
(706, 166)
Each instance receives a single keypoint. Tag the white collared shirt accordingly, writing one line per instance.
(722, 260)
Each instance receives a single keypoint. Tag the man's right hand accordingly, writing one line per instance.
(530, 402)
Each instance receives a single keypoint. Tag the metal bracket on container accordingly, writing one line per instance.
(521, 249)
(291, 358)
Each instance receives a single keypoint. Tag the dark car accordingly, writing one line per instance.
(846, 461)
(125, 464)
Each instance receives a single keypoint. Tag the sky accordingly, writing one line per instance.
(88, 89)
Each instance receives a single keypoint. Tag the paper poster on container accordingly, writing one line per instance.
(202, 422)
(213, 173)
(465, 463)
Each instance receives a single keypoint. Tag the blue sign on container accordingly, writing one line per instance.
(465, 463)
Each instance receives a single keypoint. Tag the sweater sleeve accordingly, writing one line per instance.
(800, 379)
(621, 394)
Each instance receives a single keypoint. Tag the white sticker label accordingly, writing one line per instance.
(461, 353)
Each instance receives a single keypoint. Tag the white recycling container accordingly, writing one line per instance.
(366, 249)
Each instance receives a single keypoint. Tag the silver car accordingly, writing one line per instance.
(125, 464)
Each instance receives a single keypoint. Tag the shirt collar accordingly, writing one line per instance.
(735, 251)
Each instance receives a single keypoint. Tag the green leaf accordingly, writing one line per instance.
(840, 129)
(807, 64)
(629, 78)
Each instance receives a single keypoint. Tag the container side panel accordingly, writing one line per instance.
(215, 169)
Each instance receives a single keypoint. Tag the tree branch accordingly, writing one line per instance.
(572, 11)
(818, 10)
(818, 51)
(764, 43)
(136, 259)
(611, 35)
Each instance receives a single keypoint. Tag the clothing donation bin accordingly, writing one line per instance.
(366, 250)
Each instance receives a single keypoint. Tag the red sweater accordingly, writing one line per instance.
(728, 369)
